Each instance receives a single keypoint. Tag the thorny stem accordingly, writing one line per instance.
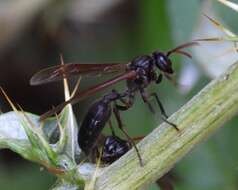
(164, 147)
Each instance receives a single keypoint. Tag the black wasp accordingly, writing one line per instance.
(139, 74)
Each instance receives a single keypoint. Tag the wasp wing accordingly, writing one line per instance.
(130, 75)
(59, 72)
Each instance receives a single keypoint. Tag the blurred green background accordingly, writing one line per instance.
(34, 33)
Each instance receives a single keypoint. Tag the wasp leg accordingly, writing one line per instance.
(120, 125)
(146, 100)
(162, 110)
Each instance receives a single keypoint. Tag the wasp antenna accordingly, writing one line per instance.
(178, 48)
(212, 39)
(184, 53)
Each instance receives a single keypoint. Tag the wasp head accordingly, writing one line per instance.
(163, 62)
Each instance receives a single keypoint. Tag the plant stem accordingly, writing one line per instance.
(161, 149)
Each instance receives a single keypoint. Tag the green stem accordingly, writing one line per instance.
(164, 147)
